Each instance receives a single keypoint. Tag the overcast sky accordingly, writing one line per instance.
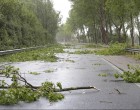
(63, 6)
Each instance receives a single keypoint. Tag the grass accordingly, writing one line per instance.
(34, 73)
(83, 52)
(93, 45)
(135, 56)
(43, 54)
(113, 49)
(103, 75)
(50, 70)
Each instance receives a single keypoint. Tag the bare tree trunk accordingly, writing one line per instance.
(118, 31)
(139, 40)
(119, 34)
(95, 33)
(132, 30)
(110, 29)
(124, 32)
(138, 27)
(103, 22)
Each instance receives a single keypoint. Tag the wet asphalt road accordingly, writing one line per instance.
(82, 72)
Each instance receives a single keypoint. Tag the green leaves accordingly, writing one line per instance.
(16, 92)
(59, 85)
(26, 23)
(130, 77)
(113, 49)
(43, 54)
(54, 97)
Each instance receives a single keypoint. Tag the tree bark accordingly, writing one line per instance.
(132, 30)
(138, 27)
(119, 34)
(57, 90)
(102, 22)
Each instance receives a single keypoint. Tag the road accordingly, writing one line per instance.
(80, 70)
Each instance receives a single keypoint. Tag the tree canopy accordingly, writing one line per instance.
(25, 23)
(104, 21)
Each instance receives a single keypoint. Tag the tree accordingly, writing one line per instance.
(25, 23)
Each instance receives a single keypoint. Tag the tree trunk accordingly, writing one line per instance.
(138, 27)
(119, 34)
(95, 33)
(104, 35)
(132, 30)
(139, 40)
(103, 22)
(110, 29)
(118, 31)
(124, 32)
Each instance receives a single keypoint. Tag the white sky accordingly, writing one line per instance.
(64, 7)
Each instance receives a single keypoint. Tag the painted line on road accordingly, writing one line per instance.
(116, 68)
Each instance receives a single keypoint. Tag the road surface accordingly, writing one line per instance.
(80, 70)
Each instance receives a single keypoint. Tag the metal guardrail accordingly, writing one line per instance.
(19, 50)
(132, 50)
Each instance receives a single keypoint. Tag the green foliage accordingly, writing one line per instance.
(26, 23)
(72, 61)
(130, 77)
(116, 76)
(17, 92)
(34, 73)
(113, 49)
(54, 97)
(49, 71)
(43, 54)
(136, 56)
(104, 20)
(83, 52)
(103, 75)
(93, 46)
(59, 85)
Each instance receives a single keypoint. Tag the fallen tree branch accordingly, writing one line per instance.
(57, 90)
(76, 88)
(20, 89)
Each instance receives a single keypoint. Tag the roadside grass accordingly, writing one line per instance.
(93, 46)
(113, 49)
(43, 54)
(83, 52)
(135, 56)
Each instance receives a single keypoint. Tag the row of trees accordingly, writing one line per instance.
(25, 23)
(104, 20)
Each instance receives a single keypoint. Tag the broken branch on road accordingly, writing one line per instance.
(20, 89)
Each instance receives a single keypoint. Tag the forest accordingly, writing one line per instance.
(104, 21)
(27, 23)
